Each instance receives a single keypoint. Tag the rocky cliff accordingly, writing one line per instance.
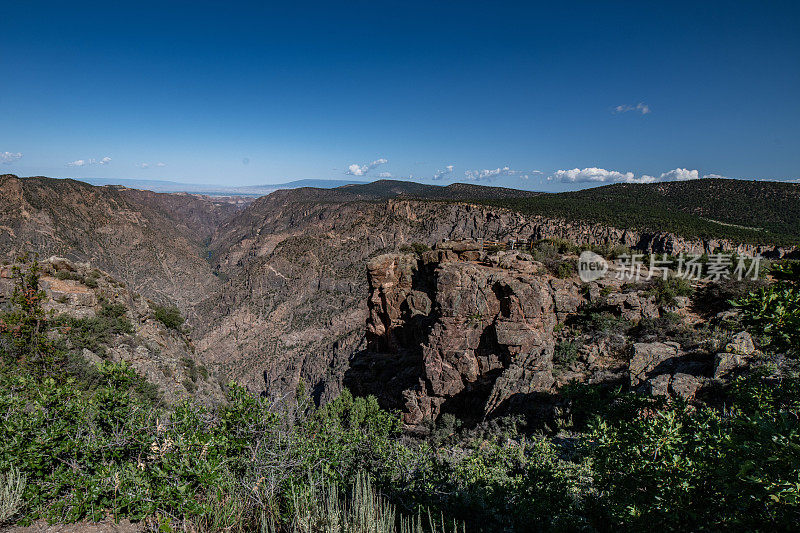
(459, 331)
(292, 305)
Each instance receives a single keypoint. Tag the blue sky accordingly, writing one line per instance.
(548, 96)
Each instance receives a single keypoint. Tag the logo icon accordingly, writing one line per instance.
(591, 266)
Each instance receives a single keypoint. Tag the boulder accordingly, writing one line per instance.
(686, 385)
(567, 297)
(741, 344)
(470, 255)
(61, 264)
(726, 364)
(659, 385)
(648, 356)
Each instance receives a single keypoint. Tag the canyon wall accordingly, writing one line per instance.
(459, 331)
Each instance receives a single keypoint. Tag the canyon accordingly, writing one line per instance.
(295, 290)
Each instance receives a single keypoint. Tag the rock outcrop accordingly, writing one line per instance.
(455, 335)
(454, 330)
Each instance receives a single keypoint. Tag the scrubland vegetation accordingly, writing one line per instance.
(82, 442)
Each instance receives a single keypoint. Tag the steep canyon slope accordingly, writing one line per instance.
(153, 242)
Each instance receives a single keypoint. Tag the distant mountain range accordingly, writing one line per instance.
(218, 190)
(384, 189)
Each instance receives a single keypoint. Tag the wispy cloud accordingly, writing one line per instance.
(601, 175)
(385, 175)
(149, 165)
(489, 174)
(361, 170)
(9, 157)
(440, 174)
(89, 162)
(639, 108)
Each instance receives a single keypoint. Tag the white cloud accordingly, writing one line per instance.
(489, 174)
(89, 162)
(640, 108)
(9, 157)
(713, 176)
(355, 170)
(385, 175)
(148, 165)
(440, 174)
(679, 174)
(592, 175)
(361, 170)
(486, 174)
(601, 175)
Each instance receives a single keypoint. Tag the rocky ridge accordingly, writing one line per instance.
(457, 330)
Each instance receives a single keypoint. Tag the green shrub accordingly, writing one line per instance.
(415, 247)
(566, 352)
(68, 275)
(606, 324)
(684, 468)
(444, 429)
(669, 326)
(190, 385)
(773, 312)
(715, 297)
(667, 290)
(169, 315)
(95, 333)
(564, 269)
(609, 251)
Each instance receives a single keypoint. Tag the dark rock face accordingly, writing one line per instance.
(456, 335)
(648, 357)
(450, 334)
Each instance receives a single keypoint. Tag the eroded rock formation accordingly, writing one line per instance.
(455, 330)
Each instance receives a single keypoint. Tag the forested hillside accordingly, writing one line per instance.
(758, 212)
(743, 211)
